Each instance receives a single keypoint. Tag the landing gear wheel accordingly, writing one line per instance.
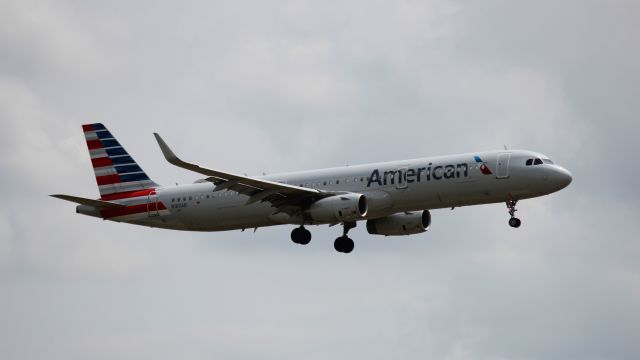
(514, 222)
(305, 238)
(301, 236)
(343, 244)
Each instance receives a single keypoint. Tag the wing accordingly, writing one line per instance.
(279, 195)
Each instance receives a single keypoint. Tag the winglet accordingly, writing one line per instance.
(174, 160)
(166, 151)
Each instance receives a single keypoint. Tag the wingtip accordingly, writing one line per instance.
(166, 151)
(159, 139)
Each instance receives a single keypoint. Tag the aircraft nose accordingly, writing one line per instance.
(562, 177)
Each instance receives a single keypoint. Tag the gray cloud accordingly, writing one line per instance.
(252, 87)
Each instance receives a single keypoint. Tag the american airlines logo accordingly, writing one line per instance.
(483, 167)
(419, 174)
(427, 173)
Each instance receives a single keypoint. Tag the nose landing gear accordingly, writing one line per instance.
(514, 222)
(344, 244)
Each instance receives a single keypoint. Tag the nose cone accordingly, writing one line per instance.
(562, 177)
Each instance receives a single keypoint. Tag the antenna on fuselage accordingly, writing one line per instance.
(505, 147)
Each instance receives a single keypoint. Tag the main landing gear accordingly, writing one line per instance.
(301, 235)
(514, 222)
(344, 244)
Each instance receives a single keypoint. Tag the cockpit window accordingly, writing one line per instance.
(537, 162)
(547, 161)
(529, 162)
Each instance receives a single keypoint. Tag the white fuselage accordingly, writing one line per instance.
(391, 187)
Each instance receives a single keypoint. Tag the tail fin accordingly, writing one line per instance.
(117, 174)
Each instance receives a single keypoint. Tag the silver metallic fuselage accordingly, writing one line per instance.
(418, 184)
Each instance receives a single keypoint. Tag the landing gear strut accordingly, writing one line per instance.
(300, 235)
(344, 244)
(514, 222)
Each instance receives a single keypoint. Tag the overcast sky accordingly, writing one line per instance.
(269, 86)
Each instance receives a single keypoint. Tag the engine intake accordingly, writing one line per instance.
(339, 208)
(400, 224)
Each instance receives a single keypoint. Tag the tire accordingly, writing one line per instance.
(515, 222)
(348, 245)
(343, 244)
(305, 237)
(337, 244)
(296, 235)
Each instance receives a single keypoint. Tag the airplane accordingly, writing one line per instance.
(394, 198)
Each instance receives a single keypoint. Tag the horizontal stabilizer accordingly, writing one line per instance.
(89, 202)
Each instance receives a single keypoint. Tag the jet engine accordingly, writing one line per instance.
(339, 208)
(400, 224)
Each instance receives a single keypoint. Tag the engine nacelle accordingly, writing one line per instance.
(339, 208)
(400, 224)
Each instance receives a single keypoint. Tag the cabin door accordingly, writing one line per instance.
(502, 171)
(152, 204)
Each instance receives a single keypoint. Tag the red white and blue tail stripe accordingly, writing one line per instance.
(117, 174)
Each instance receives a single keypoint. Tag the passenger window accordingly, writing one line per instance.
(190, 198)
(337, 182)
(529, 162)
(361, 179)
(537, 162)
(324, 183)
(184, 199)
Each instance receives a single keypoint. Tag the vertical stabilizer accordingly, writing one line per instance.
(117, 174)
